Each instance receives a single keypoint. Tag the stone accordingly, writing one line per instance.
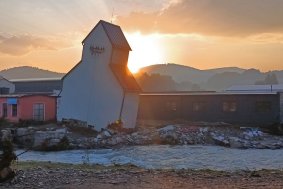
(42, 136)
(235, 142)
(219, 139)
(166, 129)
(6, 135)
(106, 133)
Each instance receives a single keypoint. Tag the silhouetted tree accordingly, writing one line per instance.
(155, 82)
(270, 79)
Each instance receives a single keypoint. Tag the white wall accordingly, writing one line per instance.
(91, 92)
(130, 110)
(120, 56)
(6, 84)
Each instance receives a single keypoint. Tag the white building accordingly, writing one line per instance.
(6, 86)
(100, 89)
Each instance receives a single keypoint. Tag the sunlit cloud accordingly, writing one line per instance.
(267, 38)
(24, 44)
(210, 17)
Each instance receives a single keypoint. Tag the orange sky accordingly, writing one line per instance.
(201, 34)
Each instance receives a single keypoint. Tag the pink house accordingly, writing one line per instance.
(38, 107)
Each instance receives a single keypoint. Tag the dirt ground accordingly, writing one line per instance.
(59, 176)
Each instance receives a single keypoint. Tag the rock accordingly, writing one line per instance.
(106, 133)
(219, 139)
(99, 137)
(235, 142)
(6, 135)
(251, 133)
(48, 137)
(166, 129)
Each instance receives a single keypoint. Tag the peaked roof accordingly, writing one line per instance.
(114, 33)
(3, 78)
(125, 78)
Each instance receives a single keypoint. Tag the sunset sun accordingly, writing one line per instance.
(146, 51)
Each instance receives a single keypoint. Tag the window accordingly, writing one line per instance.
(4, 90)
(229, 106)
(199, 106)
(38, 112)
(14, 110)
(263, 106)
(171, 106)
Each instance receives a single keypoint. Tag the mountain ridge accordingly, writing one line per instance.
(28, 72)
(210, 79)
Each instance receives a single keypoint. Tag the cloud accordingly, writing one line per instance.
(267, 38)
(24, 44)
(210, 17)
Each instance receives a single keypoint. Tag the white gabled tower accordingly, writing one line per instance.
(100, 89)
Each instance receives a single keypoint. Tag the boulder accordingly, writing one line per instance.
(41, 137)
(6, 135)
(235, 142)
(219, 139)
(166, 129)
(106, 133)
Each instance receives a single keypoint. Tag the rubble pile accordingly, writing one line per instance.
(177, 134)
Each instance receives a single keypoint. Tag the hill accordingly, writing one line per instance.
(27, 72)
(181, 73)
(217, 79)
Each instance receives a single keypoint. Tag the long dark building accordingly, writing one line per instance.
(37, 85)
(236, 108)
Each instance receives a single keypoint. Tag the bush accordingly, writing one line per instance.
(3, 122)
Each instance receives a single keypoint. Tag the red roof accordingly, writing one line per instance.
(125, 78)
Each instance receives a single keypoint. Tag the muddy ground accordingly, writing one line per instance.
(50, 175)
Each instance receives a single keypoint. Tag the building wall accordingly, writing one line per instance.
(37, 86)
(119, 56)
(281, 108)
(130, 109)
(25, 107)
(172, 107)
(91, 92)
(6, 84)
(9, 110)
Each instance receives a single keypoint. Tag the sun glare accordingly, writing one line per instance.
(146, 50)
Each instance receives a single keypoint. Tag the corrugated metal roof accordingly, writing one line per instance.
(205, 93)
(36, 79)
(26, 94)
(3, 78)
(255, 88)
(115, 35)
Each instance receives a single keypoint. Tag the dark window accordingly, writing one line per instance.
(5, 110)
(4, 90)
(263, 106)
(38, 112)
(171, 106)
(199, 106)
(229, 106)
(14, 110)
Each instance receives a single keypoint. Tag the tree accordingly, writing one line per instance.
(270, 79)
(155, 82)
